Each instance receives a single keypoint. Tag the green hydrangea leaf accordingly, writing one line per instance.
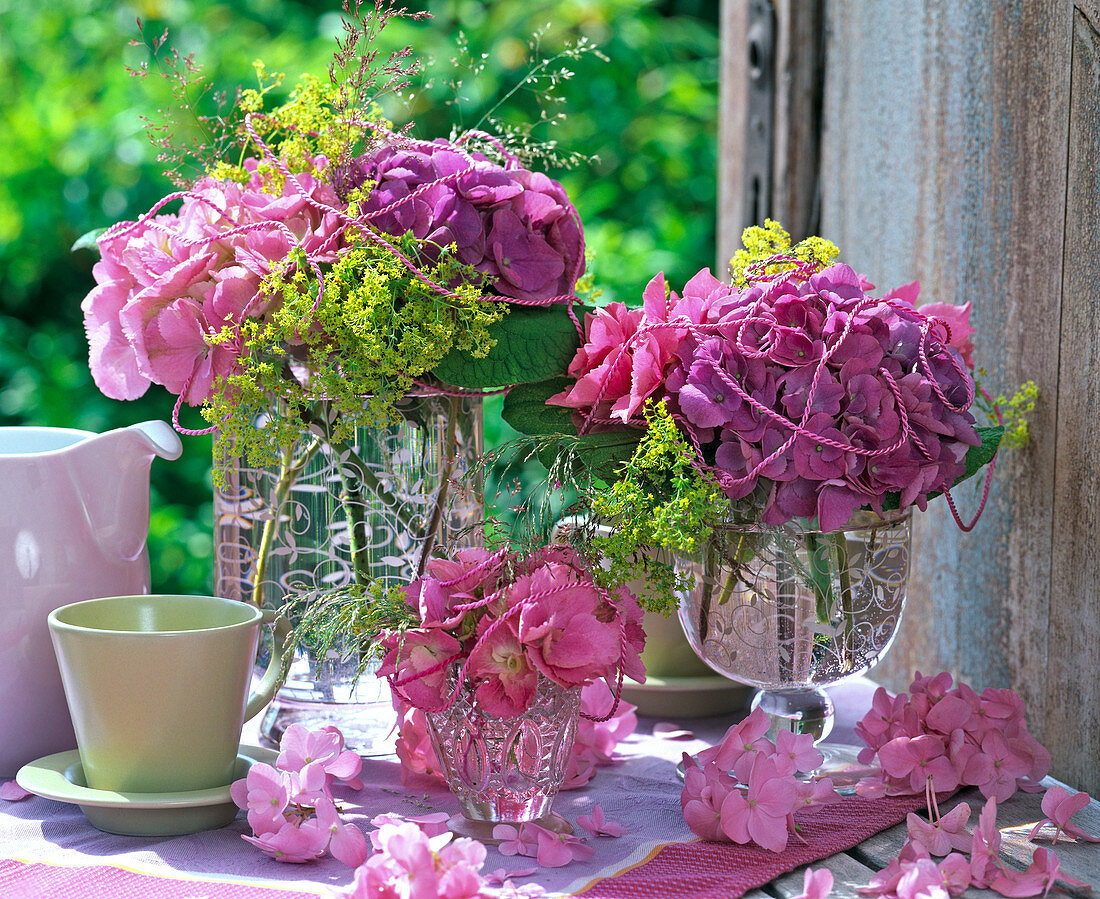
(87, 241)
(977, 457)
(533, 343)
(525, 408)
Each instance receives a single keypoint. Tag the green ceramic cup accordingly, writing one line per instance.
(158, 686)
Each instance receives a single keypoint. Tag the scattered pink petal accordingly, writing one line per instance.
(516, 840)
(598, 826)
(817, 884)
(12, 792)
(1059, 806)
(668, 731)
(947, 834)
(558, 849)
(500, 876)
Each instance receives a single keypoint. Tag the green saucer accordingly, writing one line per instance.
(61, 777)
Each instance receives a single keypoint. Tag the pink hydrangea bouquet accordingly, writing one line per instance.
(323, 262)
(503, 621)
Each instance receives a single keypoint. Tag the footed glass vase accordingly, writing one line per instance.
(505, 770)
(791, 610)
(334, 514)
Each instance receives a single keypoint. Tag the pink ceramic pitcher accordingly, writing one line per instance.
(74, 515)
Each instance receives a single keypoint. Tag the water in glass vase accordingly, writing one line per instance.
(333, 514)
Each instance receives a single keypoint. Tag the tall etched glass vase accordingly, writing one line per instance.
(337, 513)
(792, 610)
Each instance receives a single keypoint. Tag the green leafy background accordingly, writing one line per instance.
(76, 158)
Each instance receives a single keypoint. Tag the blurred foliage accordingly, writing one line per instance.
(76, 158)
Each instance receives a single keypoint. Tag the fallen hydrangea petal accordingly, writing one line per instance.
(668, 731)
(1059, 806)
(1036, 880)
(516, 840)
(945, 835)
(816, 884)
(598, 826)
(12, 792)
(500, 876)
(558, 849)
(509, 890)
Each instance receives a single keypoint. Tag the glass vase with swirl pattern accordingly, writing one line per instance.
(791, 610)
(338, 512)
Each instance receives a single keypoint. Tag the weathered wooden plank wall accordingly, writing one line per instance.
(961, 147)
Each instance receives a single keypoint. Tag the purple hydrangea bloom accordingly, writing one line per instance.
(516, 226)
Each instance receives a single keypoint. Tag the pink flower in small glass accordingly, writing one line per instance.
(1059, 806)
(416, 663)
(507, 678)
(564, 625)
(816, 884)
(597, 825)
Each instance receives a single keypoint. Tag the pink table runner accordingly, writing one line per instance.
(48, 849)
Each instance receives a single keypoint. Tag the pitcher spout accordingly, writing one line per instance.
(110, 474)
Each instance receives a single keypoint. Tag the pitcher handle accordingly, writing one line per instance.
(273, 677)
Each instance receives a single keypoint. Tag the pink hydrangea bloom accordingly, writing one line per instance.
(952, 734)
(415, 661)
(825, 398)
(562, 628)
(166, 287)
